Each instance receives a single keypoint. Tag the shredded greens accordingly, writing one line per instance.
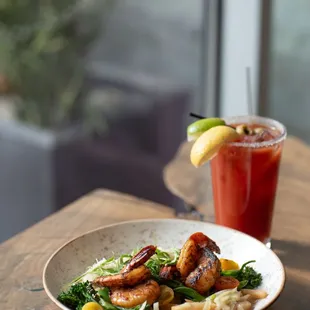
(106, 267)
(113, 265)
(246, 275)
(162, 258)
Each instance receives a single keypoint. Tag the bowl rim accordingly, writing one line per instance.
(59, 304)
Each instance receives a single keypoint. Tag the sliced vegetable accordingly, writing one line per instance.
(189, 306)
(255, 294)
(226, 283)
(156, 306)
(243, 284)
(189, 293)
(166, 295)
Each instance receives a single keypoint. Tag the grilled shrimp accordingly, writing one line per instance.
(140, 258)
(128, 278)
(198, 265)
(169, 272)
(133, 273)
(130, 297)
(190, 252)
(206, 273)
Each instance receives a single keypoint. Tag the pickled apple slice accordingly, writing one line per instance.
(210, 142)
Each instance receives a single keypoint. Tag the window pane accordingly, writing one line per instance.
(158, 39)
(93, 94)
(289, 73)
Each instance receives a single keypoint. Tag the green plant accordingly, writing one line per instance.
(41, 56)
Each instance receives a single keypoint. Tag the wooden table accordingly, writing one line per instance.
(23, 257)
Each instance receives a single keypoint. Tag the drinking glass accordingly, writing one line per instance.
(245, 177)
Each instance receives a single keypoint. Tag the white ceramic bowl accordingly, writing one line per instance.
(74, 257)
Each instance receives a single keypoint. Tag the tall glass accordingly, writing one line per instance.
(245, 177)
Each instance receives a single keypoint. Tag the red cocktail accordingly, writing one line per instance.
(245, 176)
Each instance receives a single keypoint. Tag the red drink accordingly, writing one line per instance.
(245, 176)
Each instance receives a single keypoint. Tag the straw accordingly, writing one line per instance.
(196, 115)
(249, 91)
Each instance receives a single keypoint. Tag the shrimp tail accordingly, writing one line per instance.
(205, 242)
(132, 274)
(140, 258)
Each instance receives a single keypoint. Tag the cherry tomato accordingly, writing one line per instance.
(225, 283)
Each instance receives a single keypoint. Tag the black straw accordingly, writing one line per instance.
(196, 115)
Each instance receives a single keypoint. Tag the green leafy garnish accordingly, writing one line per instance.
(246, 275)
(105, 294)
(249, 278)
(78, 295)
(162, 258)
(187, 292)
(242, 284)
(234, 273)
(107, 267)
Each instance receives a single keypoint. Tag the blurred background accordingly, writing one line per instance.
(96, 93)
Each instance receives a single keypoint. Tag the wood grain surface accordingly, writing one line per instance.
(291, 224)
(23, 257)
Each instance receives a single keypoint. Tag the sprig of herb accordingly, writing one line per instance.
(249, 278)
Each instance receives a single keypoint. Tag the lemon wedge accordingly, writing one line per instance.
(196, 129)
(92, 306)
(227, 264)
(209, 143)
